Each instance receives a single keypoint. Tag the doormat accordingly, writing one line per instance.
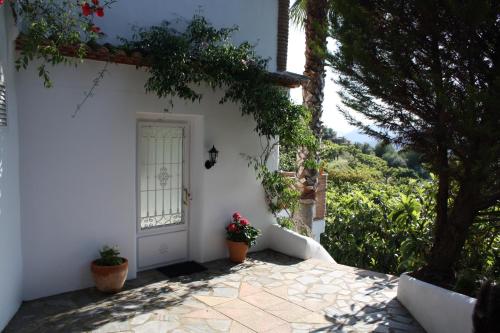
(183, 268)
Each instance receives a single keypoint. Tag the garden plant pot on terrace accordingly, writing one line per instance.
(237, 251)
(240, 236)
(110, 270)
(109, 279)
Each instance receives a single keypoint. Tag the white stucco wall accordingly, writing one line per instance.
(256, 19)
(293, 244)
(10, 222)
(78, 174)
(436, 309)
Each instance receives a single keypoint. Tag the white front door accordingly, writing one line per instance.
(163, 189)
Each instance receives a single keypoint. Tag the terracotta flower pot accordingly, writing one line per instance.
(109, 279)
(237, 251)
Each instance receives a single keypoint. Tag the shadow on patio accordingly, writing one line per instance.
(270, 292)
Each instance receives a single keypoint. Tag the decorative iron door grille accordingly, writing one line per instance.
(161, 175)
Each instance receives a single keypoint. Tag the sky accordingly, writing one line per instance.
(296, 59)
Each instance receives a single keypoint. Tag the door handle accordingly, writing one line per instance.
(187, 197)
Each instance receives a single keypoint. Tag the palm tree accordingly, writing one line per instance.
(312, 15)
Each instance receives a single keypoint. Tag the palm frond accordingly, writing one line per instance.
(298, 12)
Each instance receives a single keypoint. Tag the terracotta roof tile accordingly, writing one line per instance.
(282, 51)
(108, 52)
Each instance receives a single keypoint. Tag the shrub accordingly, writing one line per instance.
(286, 222)
(378, 226)
(380, 215)
(387, 227)
(110, 256)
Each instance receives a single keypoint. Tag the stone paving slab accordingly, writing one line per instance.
(270, 292)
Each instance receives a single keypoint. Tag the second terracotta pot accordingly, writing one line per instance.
(237, 251)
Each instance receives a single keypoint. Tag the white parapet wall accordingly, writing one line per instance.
(318, 227)
(296, 245)
(438, 310)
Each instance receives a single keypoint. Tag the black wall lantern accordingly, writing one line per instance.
(212, 153)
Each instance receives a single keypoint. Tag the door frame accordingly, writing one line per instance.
(186, 170)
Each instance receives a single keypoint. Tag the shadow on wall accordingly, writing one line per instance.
(2, 136)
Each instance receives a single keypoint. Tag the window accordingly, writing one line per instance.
(3, 99)
(161, 169)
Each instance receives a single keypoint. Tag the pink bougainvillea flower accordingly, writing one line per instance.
(86, 10)
(99, 11)
(244, 222)
(237, 216)
(1, 2)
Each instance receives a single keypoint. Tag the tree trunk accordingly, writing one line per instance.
(449, 238)
(443, 194)
(316, 25)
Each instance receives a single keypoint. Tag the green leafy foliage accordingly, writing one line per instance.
(288, 158)
(409, 77)
(381, 218)
(280, 190)
(48, 26)
(348, 163)
(377, 226)
(110, 256)
(202, 54)
(286, 222)
(480, 258)
(240, 230)
(178, 62)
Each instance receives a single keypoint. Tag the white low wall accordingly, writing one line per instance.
(318, 227)
(438, 310)
(296, 245)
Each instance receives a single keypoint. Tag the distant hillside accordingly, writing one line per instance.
(356, 136)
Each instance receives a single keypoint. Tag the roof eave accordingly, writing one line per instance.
(136, 58)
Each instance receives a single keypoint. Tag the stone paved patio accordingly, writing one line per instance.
(270, 292)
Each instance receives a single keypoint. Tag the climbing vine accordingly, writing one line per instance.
(181, 61)
(50, 26)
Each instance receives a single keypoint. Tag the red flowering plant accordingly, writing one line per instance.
(49, 26)
(240, 230)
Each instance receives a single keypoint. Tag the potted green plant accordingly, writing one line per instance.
(240, 237)
(110, 270)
